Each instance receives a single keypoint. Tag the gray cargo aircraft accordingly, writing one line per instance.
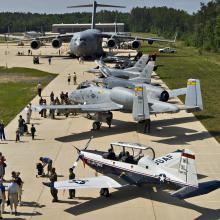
(88, 43)
(138, 101)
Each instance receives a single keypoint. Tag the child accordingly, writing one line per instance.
(33, 130)
(17, 135)
(40, 169)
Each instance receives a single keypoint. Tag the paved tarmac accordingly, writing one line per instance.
(56, 138)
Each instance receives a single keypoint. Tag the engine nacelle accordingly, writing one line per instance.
(164, 96)
(56, 43)
(150, 42)
(35, 44)
(122, 96)
(111, 43)
(136, 44)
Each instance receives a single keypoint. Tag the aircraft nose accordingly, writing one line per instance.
(80, 43)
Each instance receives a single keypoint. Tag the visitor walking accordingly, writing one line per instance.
(2, 130)
(33, 130)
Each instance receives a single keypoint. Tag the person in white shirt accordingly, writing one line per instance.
(13, 190)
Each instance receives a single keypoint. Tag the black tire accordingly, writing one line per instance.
(88, 116)
(96, 126)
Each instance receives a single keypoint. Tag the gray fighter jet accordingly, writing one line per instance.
(88, 43)
(140, 73)
(137, 101)
(138, 65)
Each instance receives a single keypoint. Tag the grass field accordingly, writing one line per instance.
(18, 88)
(188, 63)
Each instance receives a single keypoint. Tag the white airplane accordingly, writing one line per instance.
(177, 168)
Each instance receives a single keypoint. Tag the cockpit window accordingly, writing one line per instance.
(83, 86)
(82, 39)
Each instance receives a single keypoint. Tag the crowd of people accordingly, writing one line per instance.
(14, 185)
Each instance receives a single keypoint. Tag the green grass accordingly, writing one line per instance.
(16, 95)
(189, 63)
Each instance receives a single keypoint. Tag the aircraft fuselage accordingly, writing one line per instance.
(86, 43)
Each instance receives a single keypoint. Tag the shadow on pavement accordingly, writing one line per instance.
(32, 204)
(141, 192)
(164, 128)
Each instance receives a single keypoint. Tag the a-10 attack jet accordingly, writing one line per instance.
(138, 101)
(138, 168)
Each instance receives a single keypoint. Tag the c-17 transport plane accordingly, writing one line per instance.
(138, 101)
(88, 43)
(119, 170)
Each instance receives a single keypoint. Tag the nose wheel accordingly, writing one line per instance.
(96, 125)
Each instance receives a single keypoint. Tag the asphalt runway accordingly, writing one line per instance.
(56, 138)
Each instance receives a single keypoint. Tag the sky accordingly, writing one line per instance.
(59, 6)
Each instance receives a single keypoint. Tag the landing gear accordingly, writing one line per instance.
(105, 192)
(147, 126)
(89, 116)
(96, 125)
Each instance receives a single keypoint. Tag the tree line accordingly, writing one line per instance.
(201, 29)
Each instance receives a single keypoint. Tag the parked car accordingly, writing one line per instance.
(167, 50)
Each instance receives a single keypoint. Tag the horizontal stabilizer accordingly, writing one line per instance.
(177, 92)
(203, 188)
(99, 5)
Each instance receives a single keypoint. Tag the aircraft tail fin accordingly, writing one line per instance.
(181, 166)
(94, 6)
(193, 100)
(147, 72)
(141, 63)
(140, 110)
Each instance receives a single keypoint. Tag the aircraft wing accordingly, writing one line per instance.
(100, 107)
(92, 182)
(149, 39)
(60, 36)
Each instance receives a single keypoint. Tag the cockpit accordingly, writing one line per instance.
(128, 152)
(84, 85)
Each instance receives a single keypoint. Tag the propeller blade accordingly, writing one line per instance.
(86, 146)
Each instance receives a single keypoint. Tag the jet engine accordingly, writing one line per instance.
(158, 93)
(122, 96)
(135, 44)
(56, 43)
(111, 43)
(164, 96)
(150, 42)
(35, 44)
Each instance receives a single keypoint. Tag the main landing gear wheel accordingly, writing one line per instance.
(89, 116)
(105, 192)
(96, 125)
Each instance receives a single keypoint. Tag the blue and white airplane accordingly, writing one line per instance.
(137, 168)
